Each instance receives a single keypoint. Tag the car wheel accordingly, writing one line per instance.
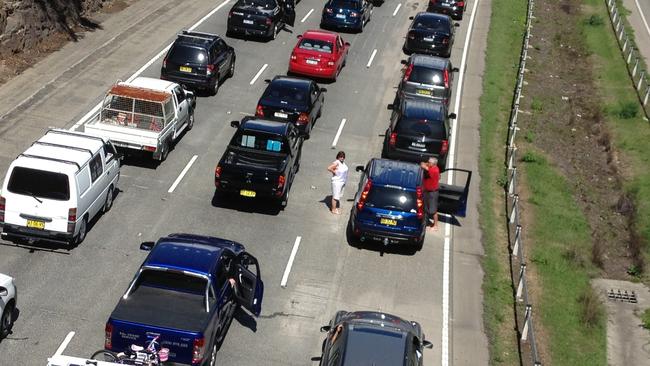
(164, 151)
(215, 88)
(275, 31)
(190, 122)
(109, 199)
(83, 229)
(213, 355)
(7, 321)
(349, 235)
(104, 355)
(231, 72)
(284, 201)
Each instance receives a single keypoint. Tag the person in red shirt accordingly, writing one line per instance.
(431, 183)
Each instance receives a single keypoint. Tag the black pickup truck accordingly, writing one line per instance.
(261, 160)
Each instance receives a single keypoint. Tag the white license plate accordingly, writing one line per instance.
(280, 115)
(446, 4)
(417, 144)
(246, 21)
(340, 16)
(312, 62)
(428, 39)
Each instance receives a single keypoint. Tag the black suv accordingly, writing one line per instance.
(427, 77)
(418, 130)
(198, 60)
(431, 34)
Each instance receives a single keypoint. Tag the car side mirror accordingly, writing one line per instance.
(390, 107)
(325, 328)
(360, 168)
(147, 245)
(455, 69)
(427, 344)
(3, 291)
(268, 81)
(411, 18)
(403, 62)
(189, 94)
(323, 90)
(347, 44)
(452, 115)
(234, 124)
(299, 36)
(456, 24)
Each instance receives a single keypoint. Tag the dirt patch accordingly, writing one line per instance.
(567, 123)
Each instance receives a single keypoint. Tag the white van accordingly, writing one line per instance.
(53, 189)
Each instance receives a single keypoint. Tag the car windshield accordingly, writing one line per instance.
(290, 94)
(345, 4)
(264, 4)
(421, 127)
(39, 183)
(425, 75)
(431, 23)
(258, 140)
(316, 45)
(391, 198)
(373, 346)
(181, 54)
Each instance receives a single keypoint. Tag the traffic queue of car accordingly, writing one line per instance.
(66, 178)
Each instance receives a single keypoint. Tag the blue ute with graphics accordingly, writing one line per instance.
(186, 291)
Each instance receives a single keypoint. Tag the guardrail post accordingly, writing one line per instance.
(527, 315)
(645, 98)
(514, 213)
(629, 56)
(625, 44)
(513, 132)
(520, 286)
(515, 247)
(641, 80)
(636, 65)
(512, 182)
(615, 15)
(511, 159)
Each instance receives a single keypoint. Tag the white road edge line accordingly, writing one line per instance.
(372, 57)
(149, 63)
(183, 172)
(287, 270)
(645, 22)
(450, 178)
(259, 73)
(397, 9)
(307, 16)
(64, 344)
(338, 133)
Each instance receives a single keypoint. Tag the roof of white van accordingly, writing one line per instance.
(151, 83)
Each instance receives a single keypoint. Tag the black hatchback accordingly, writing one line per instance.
(198, 60)
(289, 99)
(418, 129)
(260, 18)
(431, 34)
(455, 8)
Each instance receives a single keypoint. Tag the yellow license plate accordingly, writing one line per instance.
(35, 224)
(389, 222)
(186, 69)
(424, 92)
(246, 193)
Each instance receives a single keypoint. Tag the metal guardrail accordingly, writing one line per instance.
(523, 306)
(631, 57)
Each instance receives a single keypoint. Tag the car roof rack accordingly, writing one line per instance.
(200, 35)
(82, 149)
(71, 133)
(51, 159)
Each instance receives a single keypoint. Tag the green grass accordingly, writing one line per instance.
(502, 60)
(631, 132)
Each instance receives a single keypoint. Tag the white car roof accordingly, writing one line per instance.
(151, 83)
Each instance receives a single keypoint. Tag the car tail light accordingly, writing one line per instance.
(259, 111)
(210, 70)
(393, 139)
(411, 35)
(330, 63)
(364, 195)
(433, 2)
(294, 57)
(445, 77)
(217, 174)
(354, 14)
(407, 73)
(2, 209)
(419, 202)
(108, 335)
(197, 350)
(445, 40)
(303, 118)
(165, 63)
(230, 14)
(269, 21)
(329, 10)
(445, 147)
(460, 4)
(281, 181)
(72, 219)
(149, 148)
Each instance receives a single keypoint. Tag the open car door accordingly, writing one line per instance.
(289, 8)
(452, 200)
(250, 287)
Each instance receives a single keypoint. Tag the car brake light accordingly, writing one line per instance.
(433, 2)
(445, 41)
(354, 14)
(108, 335)
(330, 63)
(72, 219)
(329, 11)
(269, 21)
(407, 73)
(364, 195)
(393, 139)
(294, 57)
(445, 147)
(149, 148)
(210, 70)
(281, 181)
(197, 350)
(419, 202)
(303, 118)
(217, 173)
(2, 209)
(411, 35)
(445, 77)
(165, 63)
(460, 3)
(259, 111)
(230, 14)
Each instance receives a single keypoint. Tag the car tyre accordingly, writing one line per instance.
(7, 321)
(275, 31)
(83, 230)
(213, 355)
(108, 204)
(104, 355)
(231, 72)
(349, 235)
(215, 88)
(190, 122)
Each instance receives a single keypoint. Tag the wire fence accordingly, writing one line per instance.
(523, 306)
(634, 64)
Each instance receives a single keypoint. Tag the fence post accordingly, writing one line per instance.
(645, 98)
(515, 248)
(520, 286)
(625, 44)
(636, 65)
(511, 159)
(629, 56)
(512, 182)
(640, 80)
(514, 213)
(524, 332)
(513, 132)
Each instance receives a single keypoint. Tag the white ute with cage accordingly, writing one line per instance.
(145, 114)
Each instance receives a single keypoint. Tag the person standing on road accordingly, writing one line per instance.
(431, 183)
(339, 176)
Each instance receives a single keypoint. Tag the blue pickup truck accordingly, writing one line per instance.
(186, 291)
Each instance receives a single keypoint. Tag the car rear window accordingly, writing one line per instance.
(425, 75)
(316, 45)
(39, 183)
(265, 4)
(175, 281)
(391, 198)
(431, 23)
(421, 127)
(345, 4)
(287, 93)
(259, 141)
(181, 54)
(372, 346)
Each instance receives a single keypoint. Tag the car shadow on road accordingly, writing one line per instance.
(257, 205)
(379, 247)
(451, 220)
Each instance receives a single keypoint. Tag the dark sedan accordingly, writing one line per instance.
(454, 8)
(431, 34)
(260, 18)
(346, 14)
(296, 100)
(372, 338)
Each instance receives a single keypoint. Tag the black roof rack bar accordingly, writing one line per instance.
(201, 35)
(70, 133)
(51, 159)
(64, 146)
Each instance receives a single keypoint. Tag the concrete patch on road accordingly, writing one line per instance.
(628, 343)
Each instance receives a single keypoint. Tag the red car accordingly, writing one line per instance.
(319, 54)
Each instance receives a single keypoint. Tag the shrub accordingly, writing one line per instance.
(530, 157)
(595, 20)
(591, 310)
(627, 110)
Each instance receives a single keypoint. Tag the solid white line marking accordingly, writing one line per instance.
(64, 344)
(183, 172)
(450, 178)
(372, 57)
(285, 276)
(149, 63)
(307, 16)
(397, 9)
(642, 16)
(258, 74)
(338, 133)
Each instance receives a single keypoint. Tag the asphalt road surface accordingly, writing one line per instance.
(63, 290)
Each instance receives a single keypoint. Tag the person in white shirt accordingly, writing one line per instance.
(339, 176)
